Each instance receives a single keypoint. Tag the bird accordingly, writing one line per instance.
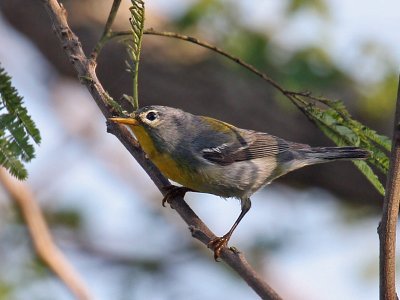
(207, 155)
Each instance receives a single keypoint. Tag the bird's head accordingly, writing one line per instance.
(160, 123)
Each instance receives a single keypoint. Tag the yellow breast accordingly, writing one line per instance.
(163, 161)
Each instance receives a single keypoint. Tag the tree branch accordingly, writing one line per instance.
(41, 236)
(85, 69)
(387, 226)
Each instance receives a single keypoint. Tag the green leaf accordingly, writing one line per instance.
(356, 126)
(135, 44)
(369, 173)
(10, 161)
(29, 125)
(16, 129)
(372, 135)
(335, 125)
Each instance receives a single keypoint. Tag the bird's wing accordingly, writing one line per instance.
(245, 145)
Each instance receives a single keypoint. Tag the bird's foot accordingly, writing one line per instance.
(172, 191)
(218, 244)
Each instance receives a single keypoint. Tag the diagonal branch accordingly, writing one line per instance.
(85, 69)
(107, 29)
(41, 236)
(387, 227)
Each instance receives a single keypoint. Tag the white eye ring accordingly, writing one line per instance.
(151, 116)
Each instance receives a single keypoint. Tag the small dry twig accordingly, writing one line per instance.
(107, 29)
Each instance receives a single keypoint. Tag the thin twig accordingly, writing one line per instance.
(294, 97)
(204, 44)
(216, 49)
(387, 226)
(85, 69)
(107, 29)
(42, 240)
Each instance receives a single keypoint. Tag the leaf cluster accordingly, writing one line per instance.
(16, 129)
(334, 120)
(134, 44)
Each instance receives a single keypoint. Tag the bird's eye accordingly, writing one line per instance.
(151, 116)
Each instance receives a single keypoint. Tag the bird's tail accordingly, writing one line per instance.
(325, 154)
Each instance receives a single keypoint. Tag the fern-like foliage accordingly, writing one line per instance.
(16, 129)
(336, 123)
(134, 45)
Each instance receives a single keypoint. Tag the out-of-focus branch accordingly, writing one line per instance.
(387, 227)
(42, 240)
(85, 69)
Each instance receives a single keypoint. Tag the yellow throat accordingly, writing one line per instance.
(163, 161)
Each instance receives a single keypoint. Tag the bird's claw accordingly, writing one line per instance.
(218, 244)
(172, 191)
(169, 190)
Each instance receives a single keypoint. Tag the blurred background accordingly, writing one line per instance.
(311, 234)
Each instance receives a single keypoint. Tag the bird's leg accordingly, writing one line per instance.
(220, 243)
(172, 191)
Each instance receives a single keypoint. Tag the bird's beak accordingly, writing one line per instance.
(126, 121)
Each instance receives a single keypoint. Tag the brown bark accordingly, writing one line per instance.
(387, 226)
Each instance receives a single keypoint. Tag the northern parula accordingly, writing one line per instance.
(210, 156)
